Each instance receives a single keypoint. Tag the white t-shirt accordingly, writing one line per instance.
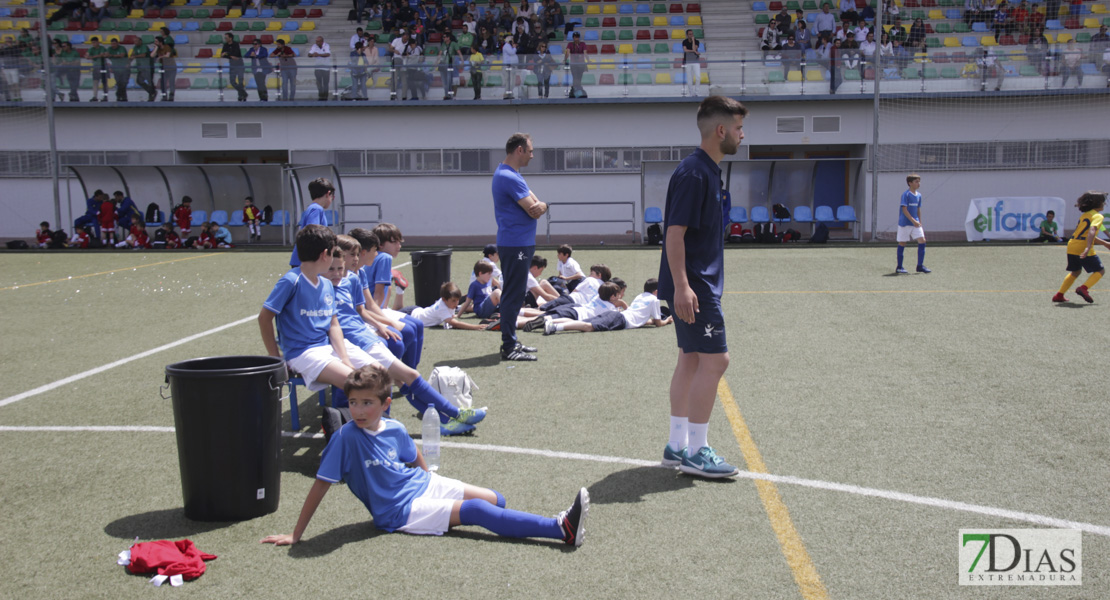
(595, 307)
(434, 314)
(569, 268)
(643, 309)
(586, 290)
(321, 61)
(532, 283)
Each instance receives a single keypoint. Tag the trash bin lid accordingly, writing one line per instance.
(226, 366)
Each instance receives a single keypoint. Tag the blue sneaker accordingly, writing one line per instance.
(901, 271)
(706, 463)
(454, 427)
(923, 269)
(672, 458)
(471, 416)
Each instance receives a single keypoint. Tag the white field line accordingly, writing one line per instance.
(122, 361)
(989, 511)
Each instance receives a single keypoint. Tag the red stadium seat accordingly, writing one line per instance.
(435, 37)
(940, 57)
(169, 13)
(606, 79)
(218, 13)
(591, 48)
(643, 34)
(129, 40)
(1007, 40)
(608, 49)
(776, 5)
(266, 39)
(609, 22)
(204, 53)
(248, 39)
(183, 83)
(912, 4)
(662, 34)
(1073, 23)
(224, 26)
(693, 8)
(929, 3)
(19, 13)
(299, 13)
(91, 26)
(677, 8)
(152, 13)
(315, 13)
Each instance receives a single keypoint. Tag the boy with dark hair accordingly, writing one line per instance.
(372, 455)
(43, 235)
(183, 214)
(323, 194)
(569, 271)
(443, 311)
(540, 291)
(303, 304)
(490, 255)
(1049, 230)
(909, 224)
(1081, 251)
(583, 293)
(644, 310)
(108, 221)
(251, 216)
(481, 297)
(377, 279)
(608, 296)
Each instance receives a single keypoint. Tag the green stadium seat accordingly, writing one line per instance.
(148, 38)
(257, 26)
(961, 27)
(624, 79)
(589, 79)
(762, 19)
(626, 35)
(932, 42)
(300, 39)
(644, 79)
(943, 28)
(200, 83)
(374, 26)
(793, 5)
(775, 76)
(493, 80)
(214, 40)
(208, 26)
(593, 22)
(851, 75)
(577, 9)
(643, 48)
(949, 73)
(910, 73)
(202, 13)
(609, 35)
(659, 9)
(931, 73)
(281, 13)
(626, 22)
(1028, 71)
(662, 48)
(123, 26)
(643, 21)
(185, 13)
(141, 26)
(809, 6)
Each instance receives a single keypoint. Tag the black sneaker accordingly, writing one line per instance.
(534, 324)
(517, 355)
(573, 519)
(523, 348)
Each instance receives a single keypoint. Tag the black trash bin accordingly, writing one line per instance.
(430, 270)
(227, 413)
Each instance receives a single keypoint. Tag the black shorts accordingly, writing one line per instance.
(608, 321)
(563, 312)
(1089, 264)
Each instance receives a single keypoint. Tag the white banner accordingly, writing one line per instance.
(1010, 218)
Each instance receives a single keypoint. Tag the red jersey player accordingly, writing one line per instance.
(43, 235)
(184, 216)
(108, 222)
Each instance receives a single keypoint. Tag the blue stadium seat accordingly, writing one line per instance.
(846, 214)
(678, 21)
(281, 217)
(969, 41)
(759, 6)
(590, 36)
(627, 9)
(803, 214)
(824, 214)
(643, 9)
(191, 26)
(199, 217)
(979, 27)
(331, 218)
(250, 13)
(1053, 24)
(760, 214)
(219, 217)
(180, 39)
(175, 26)
(653, 214)
(738, 214)
(236, 218)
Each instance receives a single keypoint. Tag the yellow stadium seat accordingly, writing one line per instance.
(1063, 38)
(625, 49)
(192, 68)
(887, 27)
(593, 9)
(179, 2)
(694, 21)
(663, 78)
(234, 13)
(495, 66)
(283, 37)
(7, 38)
(5, 25)
(678, 34)
(794, 76)
(110, 38)
(273, 26)
(609, 9)
(936, 14)
(382, 81)
(22, 25)
(273, 83)
(705, 77)
(815, 74)
(608, 63)
(135, 14)
(988, 40)
(660, 22)
(1098, 8)
(1091, 23)
(951, 42)
(210, 3)
(308, 25)
(157, 25)
(1051, 38)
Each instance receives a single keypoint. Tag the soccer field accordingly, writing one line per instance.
(873, 417)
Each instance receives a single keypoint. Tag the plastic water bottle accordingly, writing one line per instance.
(430, 438)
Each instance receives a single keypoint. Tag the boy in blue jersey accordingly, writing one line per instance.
(407, 347)
(303, 304)
(909, 224)
(385, 470)
(481, 297)
(348, 299)
(691, 280)
(323, 194)
(390, 329)
(377, 279)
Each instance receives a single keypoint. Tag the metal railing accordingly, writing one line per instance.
(593, 206)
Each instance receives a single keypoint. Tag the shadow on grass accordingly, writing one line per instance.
(485, 536)
(168, 524)
(327, 542)
(1070, 304)
(631, 485)
(489, 360)
(301, 455)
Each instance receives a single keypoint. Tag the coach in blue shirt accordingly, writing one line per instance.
(516, 209)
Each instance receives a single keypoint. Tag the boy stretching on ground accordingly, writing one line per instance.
(608, 296)
(644, 310)
(303, 304)
(443, 311)
(1081, 251)
(372, 455)
(583, 293)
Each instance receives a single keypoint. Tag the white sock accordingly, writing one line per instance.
(679, 427)
(699, 432)
(563, 327)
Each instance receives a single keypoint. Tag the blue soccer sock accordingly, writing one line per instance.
(500, 499)
(418, 330)
(396, 347)
(507, 522)
(901, 252)
(408, 336)
(921, 255)
(338, 398)
(424, 395)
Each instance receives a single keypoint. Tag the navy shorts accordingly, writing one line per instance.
(608, 321)
(1090, 264)
(563, 312)
(707, 334)
(486, 309)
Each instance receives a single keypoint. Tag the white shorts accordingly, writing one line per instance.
(430, 514)
(381, 354)
(312, 362)
(909, 232)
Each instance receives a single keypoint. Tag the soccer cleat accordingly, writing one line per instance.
(1082, 291)
(471, 416)
(923, 269)
(1059, 298)
(901, 271)
(534, 324)
(672, 458)
(706, 463)
(517, 355)
(548, 326)
(573, 519)
(523, 348)
(455, 427)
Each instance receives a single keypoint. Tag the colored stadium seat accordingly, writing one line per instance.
(803, 213)
(760, 214)
(845, 214)
(824, 214)
(738, 214)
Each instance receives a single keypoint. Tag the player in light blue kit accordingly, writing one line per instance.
(323, 194)
(909, 224)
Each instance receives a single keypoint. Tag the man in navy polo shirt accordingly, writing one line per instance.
(691, 280)
(516, 209)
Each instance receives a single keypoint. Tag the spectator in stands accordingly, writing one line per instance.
(803, 36)
(543, 67)
(466, 41)
(95, 10)
(400, 49)
(854, 59)
(901, 56)
(357, 65)
(65, 9)
(784, 24)
(487, 22)
(389, 19)
(1070, 60)
(1003, 20)
(1036, 18)
(461, 7)
(916, 34)
(825, 21)
(469, 24)
(451, 60)
(897, 32)
(525, 11)
(578, 60)
(509, 53)
(9, 70)
(260, 66)
(144, 68)
(519, 27)
(989, 69)
(121, 69)
(891, 10)
(321, 51)
(507, 18)
(553, 15)
(356, 38)
(159, 4)
(1106, 64)
(691, 62)
(823, 50)
(287, 67)
(770, 40)
(859, 33)
(1099, 42)
(867, 48)
(527, 44)
(886, 49)
(1021, 17)
(69, 67)
(235, 66)
(486, 43)
(167, 57)
(791, 57)
(1052, 9)
(867, 13)
(440, 21)
(98, 54)
(836, 64)
(1037, 51)
(848, 12)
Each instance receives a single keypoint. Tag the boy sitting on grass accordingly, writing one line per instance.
(348, 294)
(540, 291)
(443, 311)
(644, 310)
(303, 304)
(583, 293)
(385, 470)
(481, 297)
(569, 271)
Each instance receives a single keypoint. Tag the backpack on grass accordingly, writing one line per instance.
(453, 384)
(820, 234)
(654, 234)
